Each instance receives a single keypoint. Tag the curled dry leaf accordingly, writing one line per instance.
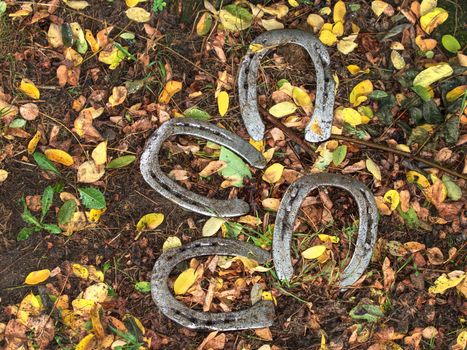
(170, 89)
(118, 96)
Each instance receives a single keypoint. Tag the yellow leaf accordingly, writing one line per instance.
(338, 29)
(273, 173)
(36, 277)
(99, 154)
(85, 343)
(455, 93)
(433, 19)
(373, 168)
(327, 37)
(184, 281)
(89, 172)
(59, 156)
(77, 4)
(93, 44)
(97, 327)
(392, 197)
(112, 57)
(282, 109)
(138, 14)
(271, 24)
(314, 252)
(327, 238)
(346, 46)
(73, 56)
(378, 7)
(95, 214)
(3, 175)
(397, 60)
(325, 11)
(170, 89)
(413, 176)
(445, 282)
(211, 226)
(133, 3)
(233, 23)
(278, 10)
(34, 141)
(293, 3)
(360, 92)
(80, 271)
(425, 44)
(300, 97)
(339, 12)
(265, 295)
(28, 87)
(95, 275)
(171, 242)
(354, 69)
(427, 6)
(150, 221)
(223, 102)
(432, 74)
(461, 341)
(259, 145)
(271, 203)
(315, 21)
(351, 116)
(97, 292)
(118, 96)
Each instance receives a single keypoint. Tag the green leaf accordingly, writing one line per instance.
(281, 83)
(66, 212)
(410, 217)
(2, 7)
(450, 43)
(452, 130)
(367, 312)
(121, 162)
(378, 95)
(27, 215)
(92, 198)
(454, 191)
(339, 154)
(196, 113)
(235, 167)
(46, 201)
(127, 36)
(25, 233)
(422, 92)
(44, 163)
(17, 123)
(143, 286)
(52, 228)
(431, 112)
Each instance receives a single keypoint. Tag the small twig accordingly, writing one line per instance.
(308, 148)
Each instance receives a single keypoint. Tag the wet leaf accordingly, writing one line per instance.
(59, 156)
(450, 43)
(223, 102)
(138, 14)
(314, 252)
(373, 168)
(433, 19)
(184, 281)
(282, 109)
(121, 162)
(92, 198)
(36, 277)
(432, 74)
(150, 221)
(359, 93)
(445, 282)
(30, 89)
(212, 226)
(171, 242)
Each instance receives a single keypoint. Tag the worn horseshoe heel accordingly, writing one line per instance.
(155, 177)
(288, 211)
(259, 315)
(319, 127)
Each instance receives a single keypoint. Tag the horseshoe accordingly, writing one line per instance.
(319, 127)
(259, 315)
(155, 177)
(288, 211)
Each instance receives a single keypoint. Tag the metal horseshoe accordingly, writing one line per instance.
(288, 211)
(319, 127)
(155, 177)
(259, 315)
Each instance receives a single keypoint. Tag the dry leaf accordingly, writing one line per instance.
(99, 154)
(359, 93)
(171, 242)
(212, 226)
(282, 109)
(138, 14)
(29, 111)
(34, 141)
(59, 156)
(432, 74)
(89, 172)
(118, 96)
(170, 89)
(373, 168)
(273, 173)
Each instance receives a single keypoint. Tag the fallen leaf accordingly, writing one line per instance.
(30, 89)
(327, 238)
(170, 89)
(327, 37)
(351, 116)
(89, 172)
(354, 69)
(36, 277)
(264, 333)
(235, 18)
(59, 156)
(204, 24)
(359, 93)
(223, 102)
(93, 44)
(378, 7)
(150, 221)
(112, 56)
(373, 168)
(397, 60)
(29, 111)
(271, 24)
(99, 154)
(315, 21)
(80, 271)
(212, 226)
(133, 3)
(118, 96)
(77, 4)
(273, 173)
(184, 281)
(339, 12)
(445, 282)
(94, 215)
(425, 44)
(432, 74)
(3, 175)
(212, 168)
(282, 109)
(138, 14)
(314, 252)
(346, 46)
(392, 198)
(413, 176)
(97, 292)
(34, 141)
(301, 97)
(433, 19)
(171, 242)
(271, 203)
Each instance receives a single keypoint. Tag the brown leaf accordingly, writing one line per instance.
(388, 274)
(264, 333)
(118, 96)
(435, 256)
(29, 111)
